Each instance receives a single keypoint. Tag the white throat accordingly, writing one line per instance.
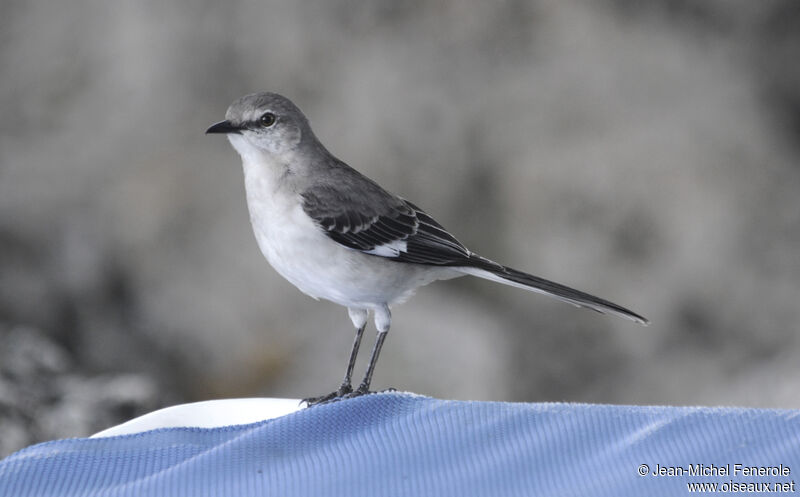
(263, 172)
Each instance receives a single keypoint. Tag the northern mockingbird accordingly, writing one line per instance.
(337, 235)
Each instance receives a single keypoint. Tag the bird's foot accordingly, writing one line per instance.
(364, 390)
(343, 391)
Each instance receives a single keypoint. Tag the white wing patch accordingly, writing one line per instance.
(392, 249)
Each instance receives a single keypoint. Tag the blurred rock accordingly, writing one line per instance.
(45, 395)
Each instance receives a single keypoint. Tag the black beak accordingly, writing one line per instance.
(223, 127)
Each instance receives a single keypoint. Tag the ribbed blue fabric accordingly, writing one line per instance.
(399, 444)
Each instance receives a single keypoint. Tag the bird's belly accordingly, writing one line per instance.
(303, 254)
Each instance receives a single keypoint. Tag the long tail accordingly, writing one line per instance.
(490, 270)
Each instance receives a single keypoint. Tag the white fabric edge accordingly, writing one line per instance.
(207, 414)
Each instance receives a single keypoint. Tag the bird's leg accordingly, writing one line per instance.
(373, 359)
(359, 318)
(383, 320)
(346, 387)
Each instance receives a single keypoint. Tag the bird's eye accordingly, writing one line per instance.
(267, 119)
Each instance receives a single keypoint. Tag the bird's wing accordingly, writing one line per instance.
(378, 223)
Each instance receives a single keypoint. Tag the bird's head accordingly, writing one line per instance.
(265, 123)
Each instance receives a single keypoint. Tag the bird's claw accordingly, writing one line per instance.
(362, 390)
(344, 392)
(358, 392)
(313, 401)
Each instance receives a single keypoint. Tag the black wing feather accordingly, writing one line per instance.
(376, 218)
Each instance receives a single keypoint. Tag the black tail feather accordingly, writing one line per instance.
(552, 288)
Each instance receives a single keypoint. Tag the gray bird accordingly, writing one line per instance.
(337, 235)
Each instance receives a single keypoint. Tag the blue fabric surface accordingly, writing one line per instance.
(399, 444)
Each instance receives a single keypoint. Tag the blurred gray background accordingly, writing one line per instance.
(646, 152)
